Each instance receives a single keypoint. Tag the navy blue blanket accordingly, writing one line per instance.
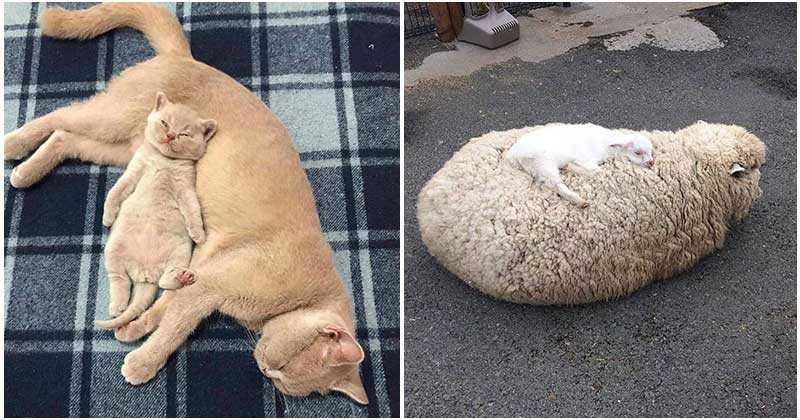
(331, 73)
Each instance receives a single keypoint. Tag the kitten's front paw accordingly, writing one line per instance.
(583, 204)
(140, 367)
(198, 236)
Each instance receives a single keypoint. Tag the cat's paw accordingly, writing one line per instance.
(583, 204)
(109, 216)
(13, 148)
(140, 367)
(185, 277)
(131, 331)
(20, 177)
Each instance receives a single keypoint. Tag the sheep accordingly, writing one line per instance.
(494, 227)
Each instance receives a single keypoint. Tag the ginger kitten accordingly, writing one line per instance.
(155, 212)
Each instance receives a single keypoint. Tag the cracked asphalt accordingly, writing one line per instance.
(719, 340)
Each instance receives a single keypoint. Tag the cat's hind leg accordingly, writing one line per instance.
(65, 145)
(147, 322)
(185, 312)
(143, 292)
(547, 172)
(119, 284)
(585, 168)
(142, 296)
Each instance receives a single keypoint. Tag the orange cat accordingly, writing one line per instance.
(264, 260)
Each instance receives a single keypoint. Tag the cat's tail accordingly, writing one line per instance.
(158, 24)
(143, 296)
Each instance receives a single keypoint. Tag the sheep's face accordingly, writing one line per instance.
(732, 156)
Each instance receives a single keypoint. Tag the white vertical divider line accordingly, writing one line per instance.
(401, 89)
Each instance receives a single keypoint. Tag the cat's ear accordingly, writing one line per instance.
(344, 349)
(209, 128)
(161, 101)
(352, 386)
(623, 144)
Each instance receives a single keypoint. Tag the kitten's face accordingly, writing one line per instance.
(177, 131)
(330, 362)
(639, 150)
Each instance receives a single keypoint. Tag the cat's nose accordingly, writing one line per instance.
(171, 136)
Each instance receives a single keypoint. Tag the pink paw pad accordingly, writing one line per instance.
(185, 278)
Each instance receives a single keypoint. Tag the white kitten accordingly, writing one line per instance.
(155, 211)
(579, 147)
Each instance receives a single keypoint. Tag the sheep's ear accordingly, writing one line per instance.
(161, 100)
(737, 170)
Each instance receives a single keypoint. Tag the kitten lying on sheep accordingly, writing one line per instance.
(578, 147)
(155, 211)
(478, 219)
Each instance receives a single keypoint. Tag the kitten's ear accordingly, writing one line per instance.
(622, 144)
(352, 386)
(344, 349)
(209, 128)
(161, 101)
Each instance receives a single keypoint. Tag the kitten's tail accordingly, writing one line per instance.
(143, 296)
(160, 26)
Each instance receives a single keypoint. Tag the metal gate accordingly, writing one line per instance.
(417, 20)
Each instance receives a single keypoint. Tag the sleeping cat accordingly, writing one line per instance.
(579, 147)
(155, 211)
(265, 261)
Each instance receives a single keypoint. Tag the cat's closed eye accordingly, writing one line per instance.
(183, 135)
(164, 124)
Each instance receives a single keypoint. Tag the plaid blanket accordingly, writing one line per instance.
(331, 73)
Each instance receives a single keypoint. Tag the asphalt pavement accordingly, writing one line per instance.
(719, 340)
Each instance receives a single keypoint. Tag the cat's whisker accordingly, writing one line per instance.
(251, 336)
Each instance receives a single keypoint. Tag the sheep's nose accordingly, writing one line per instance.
(649, 164)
